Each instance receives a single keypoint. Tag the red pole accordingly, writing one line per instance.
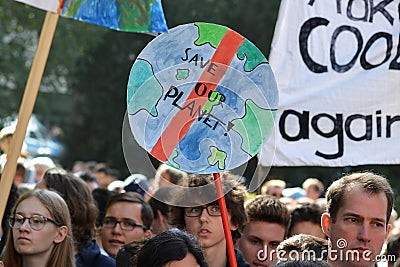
(225, 220)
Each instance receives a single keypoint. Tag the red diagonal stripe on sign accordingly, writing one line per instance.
(211, 77)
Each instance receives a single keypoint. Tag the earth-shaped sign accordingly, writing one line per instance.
(201, 98)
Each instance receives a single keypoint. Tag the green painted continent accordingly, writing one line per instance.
(213, 100)
(217, 156)
(210, 33)
(171, 160)
(182, 74)
(254, 127)
(252, 54)
(144, 90)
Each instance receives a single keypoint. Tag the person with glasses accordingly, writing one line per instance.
(127, 218)
(196, 210)
(40, 233)
(83, 212)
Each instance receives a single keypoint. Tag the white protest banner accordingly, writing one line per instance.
(337, 66)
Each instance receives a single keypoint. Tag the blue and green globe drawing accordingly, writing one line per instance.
(201, 98)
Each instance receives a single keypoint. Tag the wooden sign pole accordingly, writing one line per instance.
(26, 108)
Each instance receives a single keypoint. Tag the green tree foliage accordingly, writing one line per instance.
(20, 29)
(99, 100)
(254, 19)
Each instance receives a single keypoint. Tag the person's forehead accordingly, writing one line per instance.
(276, 187)
(354, 193)
(266, 231)
(125, 209)
(306, 224)
(126, 204)
(200, 200)
(32, 205)
(364, 204)
(307, 227)
(312, 187)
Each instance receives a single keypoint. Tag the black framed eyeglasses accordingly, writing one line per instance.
(36, 222)
(125, 224)
(212, 210)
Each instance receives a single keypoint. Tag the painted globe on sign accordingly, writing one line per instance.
(201, 98)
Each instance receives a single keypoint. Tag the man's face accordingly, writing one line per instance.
(360, 228)
(208, 229)
(309, 228)
(114, 238)
(103, 179)
(312, 193)
(261, 236)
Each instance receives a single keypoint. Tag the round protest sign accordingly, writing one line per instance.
(201, 98)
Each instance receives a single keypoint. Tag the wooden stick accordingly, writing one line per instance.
(225, 220)
(26, 108)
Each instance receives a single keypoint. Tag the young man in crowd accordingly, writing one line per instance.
(306, 219)
(197, 211)
(358, 211)
(273, 188)
(313, 188)
(268, 219)
(127, 218)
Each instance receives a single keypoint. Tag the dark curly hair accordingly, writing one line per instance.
(171, 245)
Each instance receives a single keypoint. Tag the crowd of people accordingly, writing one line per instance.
(89, 216)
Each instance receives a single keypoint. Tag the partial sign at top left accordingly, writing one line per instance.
(121, 15)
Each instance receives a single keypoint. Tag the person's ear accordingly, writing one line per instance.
(161, 216)
(148, 234)
(61, 234)
(326, 224)
(234, 226)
